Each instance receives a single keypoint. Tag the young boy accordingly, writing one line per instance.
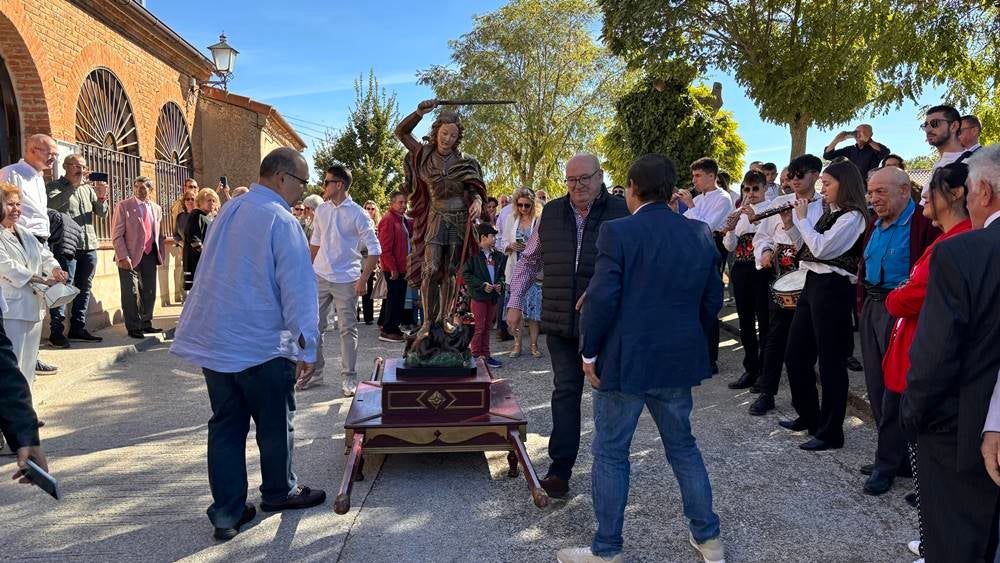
(483, 275)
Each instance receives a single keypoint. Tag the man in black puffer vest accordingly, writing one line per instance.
(565, 246)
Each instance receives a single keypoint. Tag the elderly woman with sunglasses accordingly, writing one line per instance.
(750, 285)
(181, 210)
(517, 229)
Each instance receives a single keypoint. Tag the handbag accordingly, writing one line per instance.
(380, 290)
(56, 295)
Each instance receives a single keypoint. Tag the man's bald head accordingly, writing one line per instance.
(284, 170)
(889, 192)
(42, 152)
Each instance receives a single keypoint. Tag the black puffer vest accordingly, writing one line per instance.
(565, 281)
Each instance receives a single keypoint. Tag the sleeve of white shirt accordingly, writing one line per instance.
(834, 242)
(296, 283)
(587, 360)
(763, 240)
(367, 230)
(711, 210)
(993, 415)
(729, 241)
(317, 228)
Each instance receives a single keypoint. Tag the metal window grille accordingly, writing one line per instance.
(169, 187)
(122, 170)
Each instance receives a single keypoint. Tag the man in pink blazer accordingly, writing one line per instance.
(139, 247)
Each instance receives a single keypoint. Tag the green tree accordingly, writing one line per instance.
(802, 62)
(543, 55)
(367, 145)
(696, 130)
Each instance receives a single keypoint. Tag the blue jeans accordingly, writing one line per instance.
(615, 417)
(264, 393)
(81, 270)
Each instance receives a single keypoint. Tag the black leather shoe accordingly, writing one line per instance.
(797, 425)
(57, 340)
(226, 534)
(152, 330)
(137, 334)
(817, 445)
(867, 469)
(303, 498)
(763, 404)
(84, 336)
(555, 486)
(878, 484)
(854, 365)
(744, 382)
(911, 499)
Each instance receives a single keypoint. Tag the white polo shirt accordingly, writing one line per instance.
(338, 231)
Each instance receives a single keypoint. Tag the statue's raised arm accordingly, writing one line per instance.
(447, 194)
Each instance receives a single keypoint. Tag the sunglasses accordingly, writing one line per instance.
(524, 205)
(189, 199)
(751, 189)
(369, 209)
(933, 123)
(300, 208)
(799, 175)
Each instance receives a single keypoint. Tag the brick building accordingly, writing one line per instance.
(107, 79)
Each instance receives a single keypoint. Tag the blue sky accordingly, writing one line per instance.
(302, 57)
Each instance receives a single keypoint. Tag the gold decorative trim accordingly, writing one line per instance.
(454, 392)
(390, 406)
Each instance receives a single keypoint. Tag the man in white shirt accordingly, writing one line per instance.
(711, 207)
(338, 228)
(250, 324)
(941, 126)
(28, 175)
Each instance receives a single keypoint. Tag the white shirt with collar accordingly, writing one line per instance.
(773, 190)
(712, 208)
(771, 232)
(991, 218)
(743, 226)
(34, 197)
(338, 231)
(830, 244)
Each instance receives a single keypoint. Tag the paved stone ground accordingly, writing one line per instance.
(128, 443)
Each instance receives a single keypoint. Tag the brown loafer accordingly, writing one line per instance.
(554, 486)
(304, 497)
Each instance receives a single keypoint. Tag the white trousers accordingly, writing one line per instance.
(24, 338)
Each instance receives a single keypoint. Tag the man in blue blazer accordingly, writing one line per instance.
(655, 289)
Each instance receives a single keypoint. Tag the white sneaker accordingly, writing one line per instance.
(914, 547)
(584, 555)
(349, 388)
(712, 551)
(921, 560)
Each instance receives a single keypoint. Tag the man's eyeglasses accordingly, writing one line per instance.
(303, 182)
(571, 180)
(933, 123)
(751, 189)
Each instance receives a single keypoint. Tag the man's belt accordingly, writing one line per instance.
(876, 292)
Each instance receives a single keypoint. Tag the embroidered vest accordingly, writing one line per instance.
(847, 261)
(744, 249)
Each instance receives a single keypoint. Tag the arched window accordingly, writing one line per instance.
(174, 164)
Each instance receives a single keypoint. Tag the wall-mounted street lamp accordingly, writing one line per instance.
(224, 57)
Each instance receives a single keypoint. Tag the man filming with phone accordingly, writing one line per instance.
(865, 153)
(82, 195)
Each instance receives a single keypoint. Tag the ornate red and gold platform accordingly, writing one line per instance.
(391, 414)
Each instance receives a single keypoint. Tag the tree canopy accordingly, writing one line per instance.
(544, 55)
(695, 130)
(367, 144)
(802, 62)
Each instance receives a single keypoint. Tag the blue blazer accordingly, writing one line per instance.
(656, 290)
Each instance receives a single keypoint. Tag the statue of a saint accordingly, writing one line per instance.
(447, 194)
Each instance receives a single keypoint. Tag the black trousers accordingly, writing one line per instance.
(821, 329)
(138, 287)
(773, 361)
(712, 332)
(958, 508)
(750, 289)
(876, 327)
(367, 302)
(567, 367)
(392, 306)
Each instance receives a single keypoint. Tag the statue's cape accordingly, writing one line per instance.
(466, 170)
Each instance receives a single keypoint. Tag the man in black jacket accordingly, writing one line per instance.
(954, 361)
(565, 245)
(18, 421)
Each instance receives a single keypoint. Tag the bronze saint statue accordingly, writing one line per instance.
(447, 194)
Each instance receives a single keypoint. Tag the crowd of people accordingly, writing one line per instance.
(912, 271)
